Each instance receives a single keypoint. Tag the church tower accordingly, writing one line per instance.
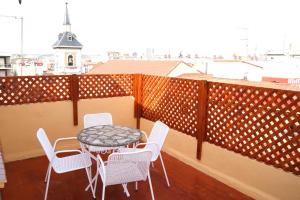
(67, 50)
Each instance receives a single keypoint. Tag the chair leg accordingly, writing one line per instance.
(150, 184)
(136, 186)
(93, 180)
(126, 189)
(96, 180)
(165, 172)
(48, 180)
(103, 192)
(90, 182)
(90, 171)
(47, 173)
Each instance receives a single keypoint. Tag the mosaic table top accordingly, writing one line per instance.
(109, 135)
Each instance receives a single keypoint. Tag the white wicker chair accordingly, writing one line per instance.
(154, 142)
(95, 120)
(63, 164)
(122, 168)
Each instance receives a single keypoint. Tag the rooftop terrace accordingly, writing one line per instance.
(246, 136)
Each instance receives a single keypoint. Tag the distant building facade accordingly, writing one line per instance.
(5, 66)
(282, 80)
(231, 69)
(67, 50)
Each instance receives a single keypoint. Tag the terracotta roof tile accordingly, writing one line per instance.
(162, 68)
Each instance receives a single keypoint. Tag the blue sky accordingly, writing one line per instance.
(202, 26)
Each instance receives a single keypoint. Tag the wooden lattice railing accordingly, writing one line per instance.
(177, 102)
(172, 100)
(100, 86)
(260, 123)
(33, 89)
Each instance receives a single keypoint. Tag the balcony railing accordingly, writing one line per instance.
(257, 122)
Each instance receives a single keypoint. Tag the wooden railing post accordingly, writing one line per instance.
(137, 89)
(202, 116)
(74, 85)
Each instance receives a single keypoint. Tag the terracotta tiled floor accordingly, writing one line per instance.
(25, 181)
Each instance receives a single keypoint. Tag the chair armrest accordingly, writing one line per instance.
(68, 151)
(140, 144)
(150, 143)
(156, 146)
(145, 135)
(62, 139)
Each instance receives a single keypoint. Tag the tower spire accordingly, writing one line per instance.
(67, 23)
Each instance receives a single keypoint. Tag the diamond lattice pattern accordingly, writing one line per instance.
(99, 86)
(171, 100)
(260, 123)
(33, 89)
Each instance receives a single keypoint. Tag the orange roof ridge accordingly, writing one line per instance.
(152, 67)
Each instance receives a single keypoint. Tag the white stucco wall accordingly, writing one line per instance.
(29, 70)
(182, 68)
(234, 70)
(282, 69)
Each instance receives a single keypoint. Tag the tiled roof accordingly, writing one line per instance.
(67, 40)
(150, 67)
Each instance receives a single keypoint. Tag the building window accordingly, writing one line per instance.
(70, 60)
(70, 37)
